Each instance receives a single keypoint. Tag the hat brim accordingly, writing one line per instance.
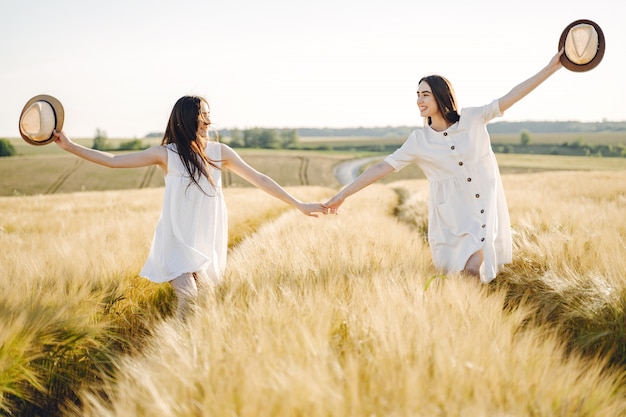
(59, 118)
(572, 66)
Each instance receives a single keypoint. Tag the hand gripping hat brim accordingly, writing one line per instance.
(583, 41)
(40, 116)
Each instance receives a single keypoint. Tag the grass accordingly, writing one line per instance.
(70, 298)
(591, 138)
(59, 172)
(518, 164)
(341, 315)
(291, 168)
(63, 173)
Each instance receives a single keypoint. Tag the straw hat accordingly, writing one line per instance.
(40, 116)
(584, 45)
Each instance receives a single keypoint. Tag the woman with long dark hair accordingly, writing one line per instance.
(468, 220)
(190, 242)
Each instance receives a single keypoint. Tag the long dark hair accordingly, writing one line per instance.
(182, 130)
(444, 96)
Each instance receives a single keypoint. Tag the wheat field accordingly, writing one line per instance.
(335, 316)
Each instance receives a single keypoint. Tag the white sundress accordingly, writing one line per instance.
(192, 232)
(467, 206)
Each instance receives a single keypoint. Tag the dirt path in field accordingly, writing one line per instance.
(304, 166)
(347, 171)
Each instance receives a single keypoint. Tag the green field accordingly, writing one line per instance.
(522, 164)
(49, 170)
(61, 173)
(595, 138)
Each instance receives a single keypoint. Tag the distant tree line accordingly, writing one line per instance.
(405, 131)
(576, 147)
(101, 143)
(256, 137)
(388, 131)
(262, 138)
(493, 128)
(555, 127)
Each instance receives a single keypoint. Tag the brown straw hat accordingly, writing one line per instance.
(584, 45)
(41, 115)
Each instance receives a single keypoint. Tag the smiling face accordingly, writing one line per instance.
(204, 120)
(426, 101)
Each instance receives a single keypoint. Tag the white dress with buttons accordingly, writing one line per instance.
(192, 232)
(467, 206)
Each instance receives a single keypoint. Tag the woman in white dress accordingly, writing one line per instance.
(190, 242)
(468, 219)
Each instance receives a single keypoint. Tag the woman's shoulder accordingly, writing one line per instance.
(154, 155)
(213, 144)
(224, 148)
(416, 134)
(485, 112)
(216, 150)
(210, 145)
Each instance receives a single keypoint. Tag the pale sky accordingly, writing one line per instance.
(120, 65)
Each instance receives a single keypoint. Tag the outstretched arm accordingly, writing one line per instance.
(232, 161)
(156, 155)
(521, 90)
(369, 176)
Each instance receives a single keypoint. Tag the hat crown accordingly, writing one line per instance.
(581, 44)
(38, 121)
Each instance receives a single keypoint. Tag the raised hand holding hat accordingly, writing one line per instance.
(40, 116)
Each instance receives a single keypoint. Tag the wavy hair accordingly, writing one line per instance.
(444, 96)
(182, 130)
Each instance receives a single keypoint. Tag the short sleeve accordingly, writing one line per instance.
(485, 113)
(492, 110)
(404, 155)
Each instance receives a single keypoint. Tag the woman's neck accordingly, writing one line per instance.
(439, 124)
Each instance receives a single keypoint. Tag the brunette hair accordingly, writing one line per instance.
(182, 130)
(444, 96)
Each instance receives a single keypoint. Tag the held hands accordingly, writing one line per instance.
(333, 204)
(311, 209)
(330, 207)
